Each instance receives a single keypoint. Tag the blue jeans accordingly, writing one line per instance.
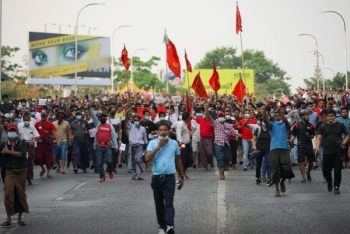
(247, 149)
(103, 155)
(294, 153)
(60, 153)
(163, 193)
(223, 155)
(267, 163)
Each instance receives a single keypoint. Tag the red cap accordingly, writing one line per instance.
(221, 113)
(12, 126)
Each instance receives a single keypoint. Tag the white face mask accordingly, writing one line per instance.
(162, 118)
(163, 138)
(288, 109)
(227, 116)
(221, 119)
(279, 122)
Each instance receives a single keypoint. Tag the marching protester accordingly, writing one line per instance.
(28, 132)
(331, 135)
(105, 142)
(165, 156)
(13, 154)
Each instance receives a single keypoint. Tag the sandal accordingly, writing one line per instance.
(6, 224)
(58, 170)
(139, 178)
(75, 170)
(222, 177)
(49, 176)
(277, 194)
(63, 172)
(21, 223)
(42, 173)
(283, 187)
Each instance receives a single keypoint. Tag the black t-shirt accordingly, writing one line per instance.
(6, 107)
(302, 131)
(318, 124)
(331, 135)
(263, 140)
(149, 126)
(125, 133)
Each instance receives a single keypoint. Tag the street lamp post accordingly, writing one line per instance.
(60, 26)
(76, 46)
(112, 55)
(48, 24)
(75, 28)
(346, 47)
(318, 53)
(94, 28)
(317, 63)
(327, 68)
(132, 68)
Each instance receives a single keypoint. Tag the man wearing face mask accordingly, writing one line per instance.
(279, 150)
(165, 155)
(28, 132)
(79, 133)
(6, 106)
(222, 132)
(13, 153)
(173, 113)
(304, 132)
(61, 146)
(32, 116)
(105, 142)
(151, 130)
(44, 152)
(138, 140)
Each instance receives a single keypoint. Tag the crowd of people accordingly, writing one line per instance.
(164, 135)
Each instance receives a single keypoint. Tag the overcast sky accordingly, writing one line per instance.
(197, 26)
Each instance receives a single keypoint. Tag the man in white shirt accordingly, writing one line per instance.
(28, 132)
(173, 114)
(183, 136)
(116, 123)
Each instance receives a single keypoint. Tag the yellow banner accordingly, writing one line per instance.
(59, 70)
(228, 79)
(57, 41)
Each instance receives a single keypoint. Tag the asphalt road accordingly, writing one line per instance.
(80, 204)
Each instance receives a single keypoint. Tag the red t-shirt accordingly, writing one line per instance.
(206, 128)
(45, 128)
(103, 135)
(245, 131)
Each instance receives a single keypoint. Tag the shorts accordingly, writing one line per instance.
(61, 152)
(195, 145)
(223, 155)
(306, 152)
(314, 142)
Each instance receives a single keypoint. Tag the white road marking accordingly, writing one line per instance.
(221, 208)
(80, 185)
(59, 199)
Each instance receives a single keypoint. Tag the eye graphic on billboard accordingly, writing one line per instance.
(52, 55)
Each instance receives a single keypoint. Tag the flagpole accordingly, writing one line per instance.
(240, 35)
(188, 82)
(166, 63)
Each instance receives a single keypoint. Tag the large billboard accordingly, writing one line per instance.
(228, 79)
(53, 55)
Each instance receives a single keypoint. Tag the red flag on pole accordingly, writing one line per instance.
(188, 64)
(214, 79)
(125, 59)
(238, 20)
(172, 58)
(240, 90)
(198, 87)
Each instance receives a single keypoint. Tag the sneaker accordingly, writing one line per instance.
(264, 179)
(270, 183)
(330, 187)
(324, 181)
(267, 181)
(245, 168)
(336, 190)
(194, 166)
(258, 181)
(102, 179)
(161, 231)
(111, 175)
(170, 230)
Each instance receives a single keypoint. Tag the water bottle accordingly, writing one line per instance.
(178, 184)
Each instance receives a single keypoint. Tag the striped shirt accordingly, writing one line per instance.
(222, 133)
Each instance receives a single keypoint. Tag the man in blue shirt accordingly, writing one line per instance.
(279, 150)
(164, 152)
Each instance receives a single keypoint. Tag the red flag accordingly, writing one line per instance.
(240, 90)
(188, 64)
(198, 87)
(125, 59)
(172, 58)
(214, 79)
(238, 20)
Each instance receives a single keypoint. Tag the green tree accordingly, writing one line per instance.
(9, 69)
(142, 74)
(266, 71)
(337, 82)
